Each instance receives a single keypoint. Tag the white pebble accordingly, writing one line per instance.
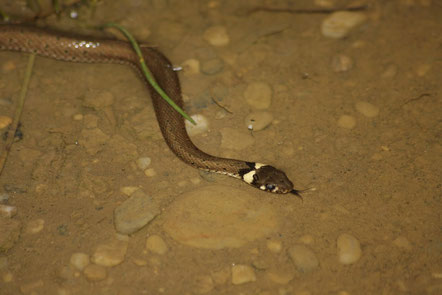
(341, 63)
(402, 242)
(242, 274)
(347, 122)
(367, 109)
(274, 246)
(7, 211)
(304, 259)
(94, 272)
(110, 254)
(349, 249)
(79, 260)
(156, 244)
(258, 95)
(143, 162)
(35, 226)
(202, 125)
(150, 172)
(257, 121)
(129, 190)
(339, 24)
(216, 36)
(191, 66)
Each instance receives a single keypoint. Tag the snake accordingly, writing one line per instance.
(66, 46)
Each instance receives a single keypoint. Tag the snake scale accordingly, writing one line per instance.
(82, 49)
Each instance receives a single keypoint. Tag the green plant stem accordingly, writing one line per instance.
(147, 73)
(18, 111)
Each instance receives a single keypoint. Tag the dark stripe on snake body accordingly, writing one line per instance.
(82, 49)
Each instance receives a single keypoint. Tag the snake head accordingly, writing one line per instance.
(268, 178)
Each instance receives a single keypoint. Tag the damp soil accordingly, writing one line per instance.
(379, 181)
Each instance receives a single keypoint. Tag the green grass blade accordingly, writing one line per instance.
(147, 73)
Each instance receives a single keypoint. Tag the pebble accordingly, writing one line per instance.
(4, 198)
(242, 274)
(347, 122)
(79, 260)
(99, 100)
(281, 276)
(325, 3)
(5, 121)
(150, 172)
(339, 24)
(35, 226)
(3, 262)
(307, 239)
(156, 244)
(90, 121)
(304, 258)
(93, 140)
(95, 273)
(29, 288)
(349, 249)
(423, 69)
(7, 277)
(7, 211)
(258, 95)
(341, 63)
(274, 246)
(236, 140)
(78, 117)
(203, 218)
(389, 72)
(8, 66)
(216, 36)
(134, 213)
(129, 190)
(143, 162)
(204, 284)
(9, 233)
(258, 121)
(139, 261)
(402, 242)
(191, 66)
(110, 254)
(212, 66)
(221, 276)
(367, 109)
(202, 125)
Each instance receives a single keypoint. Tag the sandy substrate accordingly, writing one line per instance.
(100, 205)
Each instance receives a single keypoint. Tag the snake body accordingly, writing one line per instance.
(82, 49)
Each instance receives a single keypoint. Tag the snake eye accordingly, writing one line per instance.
(270, 187)
(255, 177)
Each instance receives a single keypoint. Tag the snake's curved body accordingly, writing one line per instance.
(68, 47)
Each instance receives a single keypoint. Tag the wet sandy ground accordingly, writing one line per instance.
(376, 168)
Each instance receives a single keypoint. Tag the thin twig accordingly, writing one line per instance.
(18, 111)
(306, 11)
(221, 106)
